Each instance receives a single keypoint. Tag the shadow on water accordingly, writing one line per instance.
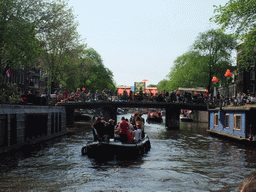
(194, 136)
(114, 162)
(10, 160)
(186, 130)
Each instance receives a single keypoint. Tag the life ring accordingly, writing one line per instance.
(84, 150)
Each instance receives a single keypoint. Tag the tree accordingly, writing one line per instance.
(163, 85)
(62, 51)
(188, 71)
(99, 77)
(217, 47)
(238, 15)
(247, 51)
(18, 22)
(152, 85)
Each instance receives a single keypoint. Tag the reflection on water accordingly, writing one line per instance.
(188, 159)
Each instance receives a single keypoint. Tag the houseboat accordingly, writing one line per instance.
(234, 122)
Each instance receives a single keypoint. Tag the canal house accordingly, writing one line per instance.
(233, 122)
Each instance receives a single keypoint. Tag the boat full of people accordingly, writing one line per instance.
(126, 138)
(154, 117)
(185, 115)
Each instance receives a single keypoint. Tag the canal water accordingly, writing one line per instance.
(188, 159)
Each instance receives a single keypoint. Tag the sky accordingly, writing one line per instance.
(140, 39)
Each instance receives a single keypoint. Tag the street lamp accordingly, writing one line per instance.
(228, 75)
(214, 80)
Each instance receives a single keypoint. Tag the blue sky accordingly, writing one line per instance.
(141, 39)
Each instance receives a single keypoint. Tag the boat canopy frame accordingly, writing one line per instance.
(192, 90)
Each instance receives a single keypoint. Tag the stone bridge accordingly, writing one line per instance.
(109, 109)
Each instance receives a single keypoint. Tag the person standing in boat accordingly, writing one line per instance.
(110, 128)
(100, 127)
(137, 133)
(123, 130)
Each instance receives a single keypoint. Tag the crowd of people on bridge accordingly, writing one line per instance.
(81, 95)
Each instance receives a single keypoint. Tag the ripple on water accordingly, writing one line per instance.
(180, 160)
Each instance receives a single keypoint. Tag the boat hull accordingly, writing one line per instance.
(154, 120)
(112, 147)
(186, 119)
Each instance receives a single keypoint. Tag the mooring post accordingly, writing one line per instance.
(172, 118)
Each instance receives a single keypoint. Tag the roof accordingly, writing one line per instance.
(191, 89)
(234, 108)
(124, 87)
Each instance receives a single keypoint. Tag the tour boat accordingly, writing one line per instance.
(112, 146)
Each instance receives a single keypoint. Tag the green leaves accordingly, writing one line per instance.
(237, 15)
(188, 71)
(209, 56)
(18, 44)
(246, 51)
(44, 34)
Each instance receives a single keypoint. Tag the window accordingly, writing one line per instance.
(216, 119)
(227, 121)
(237, 122)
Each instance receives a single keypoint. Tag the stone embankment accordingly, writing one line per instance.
(24, 125)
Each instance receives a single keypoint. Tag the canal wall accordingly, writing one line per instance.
(200, 116)
(22, 125)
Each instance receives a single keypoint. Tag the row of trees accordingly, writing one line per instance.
(43, 34)
(210, 54)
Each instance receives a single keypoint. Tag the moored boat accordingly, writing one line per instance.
(233, 122)
(111, 146)
(154, 120)
(185, 115)
(154, 117)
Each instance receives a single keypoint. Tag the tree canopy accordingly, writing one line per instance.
(43, 34)
(188, 71)
(238, 15)
(217, 47)
(209, 56)
(18, 44)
